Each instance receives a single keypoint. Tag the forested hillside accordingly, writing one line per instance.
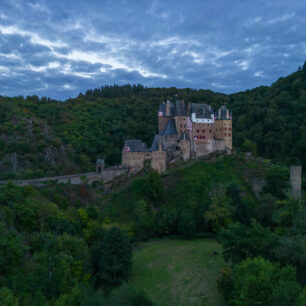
(40, 137)
(71, 245)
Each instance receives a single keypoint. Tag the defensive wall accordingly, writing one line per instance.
(89, 178)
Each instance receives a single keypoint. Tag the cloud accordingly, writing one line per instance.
(57, 49)
(281, 18)
(35, 38)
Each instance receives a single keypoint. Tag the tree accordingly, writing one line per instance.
(112, 258)
(240, 241)
(12, 251)
(277, 178)
(304, 67)
(186, 224)
(249, 146)
(153, 187)
(143, 220)
(7, 298)
(258, 282)
(127, 295)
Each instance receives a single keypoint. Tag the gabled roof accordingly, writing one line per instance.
(163, 108)
(201, 110)
(155, 144)
(170, 128)
(135, 145)
(222, 113)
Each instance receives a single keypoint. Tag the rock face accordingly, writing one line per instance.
(28, 148)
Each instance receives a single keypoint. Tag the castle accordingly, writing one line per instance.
(184, 132)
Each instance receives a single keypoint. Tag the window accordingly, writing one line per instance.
(181, 125)
(198, 131)
(210, 131)
(203, 131)
(224, 129)
(229, 134)
(225, 134)
(204, 137)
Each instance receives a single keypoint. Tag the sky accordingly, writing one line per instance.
(59, 48)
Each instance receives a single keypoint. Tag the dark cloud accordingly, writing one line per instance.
(60, 48)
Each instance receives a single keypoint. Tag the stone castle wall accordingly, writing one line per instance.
(158, 162)
(107, 175)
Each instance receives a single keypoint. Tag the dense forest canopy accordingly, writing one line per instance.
(41, 136)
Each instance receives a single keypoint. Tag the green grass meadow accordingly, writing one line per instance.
(179, 272)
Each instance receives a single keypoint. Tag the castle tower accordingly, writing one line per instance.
(165, 113)
(158, 161)
(223, 126)
(100, 165)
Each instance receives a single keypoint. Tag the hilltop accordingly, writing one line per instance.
(44, 137)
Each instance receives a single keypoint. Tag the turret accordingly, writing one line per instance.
(223, 126)
(100, 165)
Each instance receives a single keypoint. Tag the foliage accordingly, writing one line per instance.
(240, 241)
(259, 282)
(41, 137)
(112, 258)
(277, 179)
(153, 187)
(127, 295)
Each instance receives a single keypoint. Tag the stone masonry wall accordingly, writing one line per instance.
(75, 179)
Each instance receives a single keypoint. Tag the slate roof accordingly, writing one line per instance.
(180, 108)
(170, 128)
(201, 110)
(223, 113)
(135, 145)
(163, 108)
(177, 109)
(155, 143)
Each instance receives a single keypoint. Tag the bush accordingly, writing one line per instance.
(126, 295)
(259, 282)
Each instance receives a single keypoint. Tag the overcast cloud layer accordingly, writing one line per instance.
(59, 48)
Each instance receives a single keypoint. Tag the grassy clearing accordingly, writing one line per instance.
(179, 272)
